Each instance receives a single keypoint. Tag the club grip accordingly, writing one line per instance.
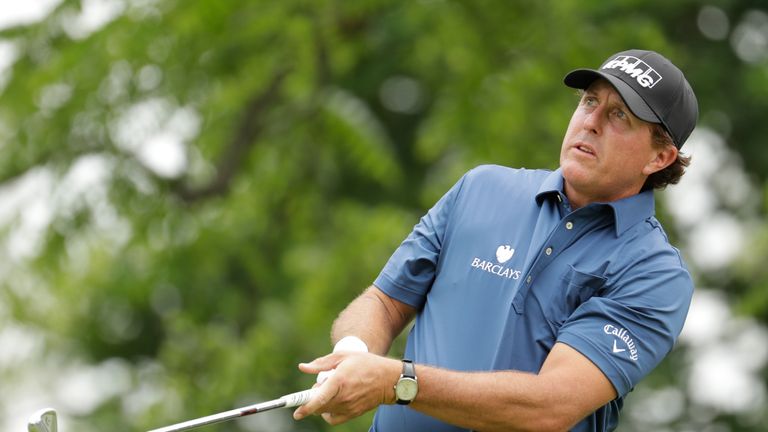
(298, 398)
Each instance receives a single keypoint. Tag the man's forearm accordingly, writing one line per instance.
(373, 317)
(567, 388)
(486, 401)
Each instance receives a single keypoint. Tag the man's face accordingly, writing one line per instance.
(607, 152)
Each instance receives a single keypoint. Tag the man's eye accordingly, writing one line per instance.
(620, 114)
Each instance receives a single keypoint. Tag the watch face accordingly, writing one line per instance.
(406, 389)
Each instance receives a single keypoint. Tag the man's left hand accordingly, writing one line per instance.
(362, 382)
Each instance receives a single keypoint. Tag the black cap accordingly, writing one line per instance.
(653, 88)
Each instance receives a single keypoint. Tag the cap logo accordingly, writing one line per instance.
(645, 75)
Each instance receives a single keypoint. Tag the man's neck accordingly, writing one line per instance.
(578, 200)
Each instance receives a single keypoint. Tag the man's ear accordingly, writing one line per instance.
(664, 158)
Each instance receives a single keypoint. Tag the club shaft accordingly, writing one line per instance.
(291, 400)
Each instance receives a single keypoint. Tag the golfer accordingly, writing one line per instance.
(539, 298)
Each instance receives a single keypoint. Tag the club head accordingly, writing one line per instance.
(43, 421)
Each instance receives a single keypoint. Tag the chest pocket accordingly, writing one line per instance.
(578, 287)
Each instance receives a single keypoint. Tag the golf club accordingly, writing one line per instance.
(287, 401)
(43, 421)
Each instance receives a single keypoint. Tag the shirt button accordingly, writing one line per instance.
(569, 225)
(548, 251)
(528, 280)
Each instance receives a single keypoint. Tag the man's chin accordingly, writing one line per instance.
(575, 173)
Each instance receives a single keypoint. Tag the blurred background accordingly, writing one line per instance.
(191, 190)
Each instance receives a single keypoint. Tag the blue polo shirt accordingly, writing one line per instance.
(500, 270)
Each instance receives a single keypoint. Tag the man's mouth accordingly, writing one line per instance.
(586, 149)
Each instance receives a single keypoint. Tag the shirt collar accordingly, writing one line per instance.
(626, 212)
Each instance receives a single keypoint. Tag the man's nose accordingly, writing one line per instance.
(593, 120)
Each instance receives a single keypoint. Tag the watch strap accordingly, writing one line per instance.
(408, 374)
(409, 370)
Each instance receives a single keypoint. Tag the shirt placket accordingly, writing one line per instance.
(567, 231)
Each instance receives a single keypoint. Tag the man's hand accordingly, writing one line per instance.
(347, 343)
(362, 382)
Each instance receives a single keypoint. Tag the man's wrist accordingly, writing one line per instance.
(393, 371)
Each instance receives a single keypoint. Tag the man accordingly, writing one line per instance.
(540, 298)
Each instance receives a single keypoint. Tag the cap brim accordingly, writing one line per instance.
(582, 78)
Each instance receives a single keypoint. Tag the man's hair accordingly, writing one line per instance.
(660, 138)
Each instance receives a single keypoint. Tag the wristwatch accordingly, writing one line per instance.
(407, 386)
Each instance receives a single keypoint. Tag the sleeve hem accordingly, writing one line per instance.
(398, 292)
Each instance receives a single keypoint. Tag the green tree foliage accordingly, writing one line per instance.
(253, 165)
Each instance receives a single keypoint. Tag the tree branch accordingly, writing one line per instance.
(250, 128)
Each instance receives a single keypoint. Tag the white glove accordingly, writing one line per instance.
(347, 343)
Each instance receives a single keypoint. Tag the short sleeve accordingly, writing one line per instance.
(410, 271)
(630, 328)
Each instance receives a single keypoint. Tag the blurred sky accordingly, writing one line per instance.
(15, 12)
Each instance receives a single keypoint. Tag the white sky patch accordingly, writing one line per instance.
(657, 407)
(25, 342)
(31, 202)
(149, 390)
(719, 380)
(85, 182)
(54, 96)
(83, 388)
(73, 388)
(18, 193)
(94, 15)
(8, 55)
(704, 324)
(726, 355)
(717, 242)
(28, 208)
(87, 185)
(714, 238)
(692, 198)
(156, 132)
(164, 154)
(15, 12)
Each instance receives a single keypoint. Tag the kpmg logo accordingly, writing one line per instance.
(503, 254)
(645, 75)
